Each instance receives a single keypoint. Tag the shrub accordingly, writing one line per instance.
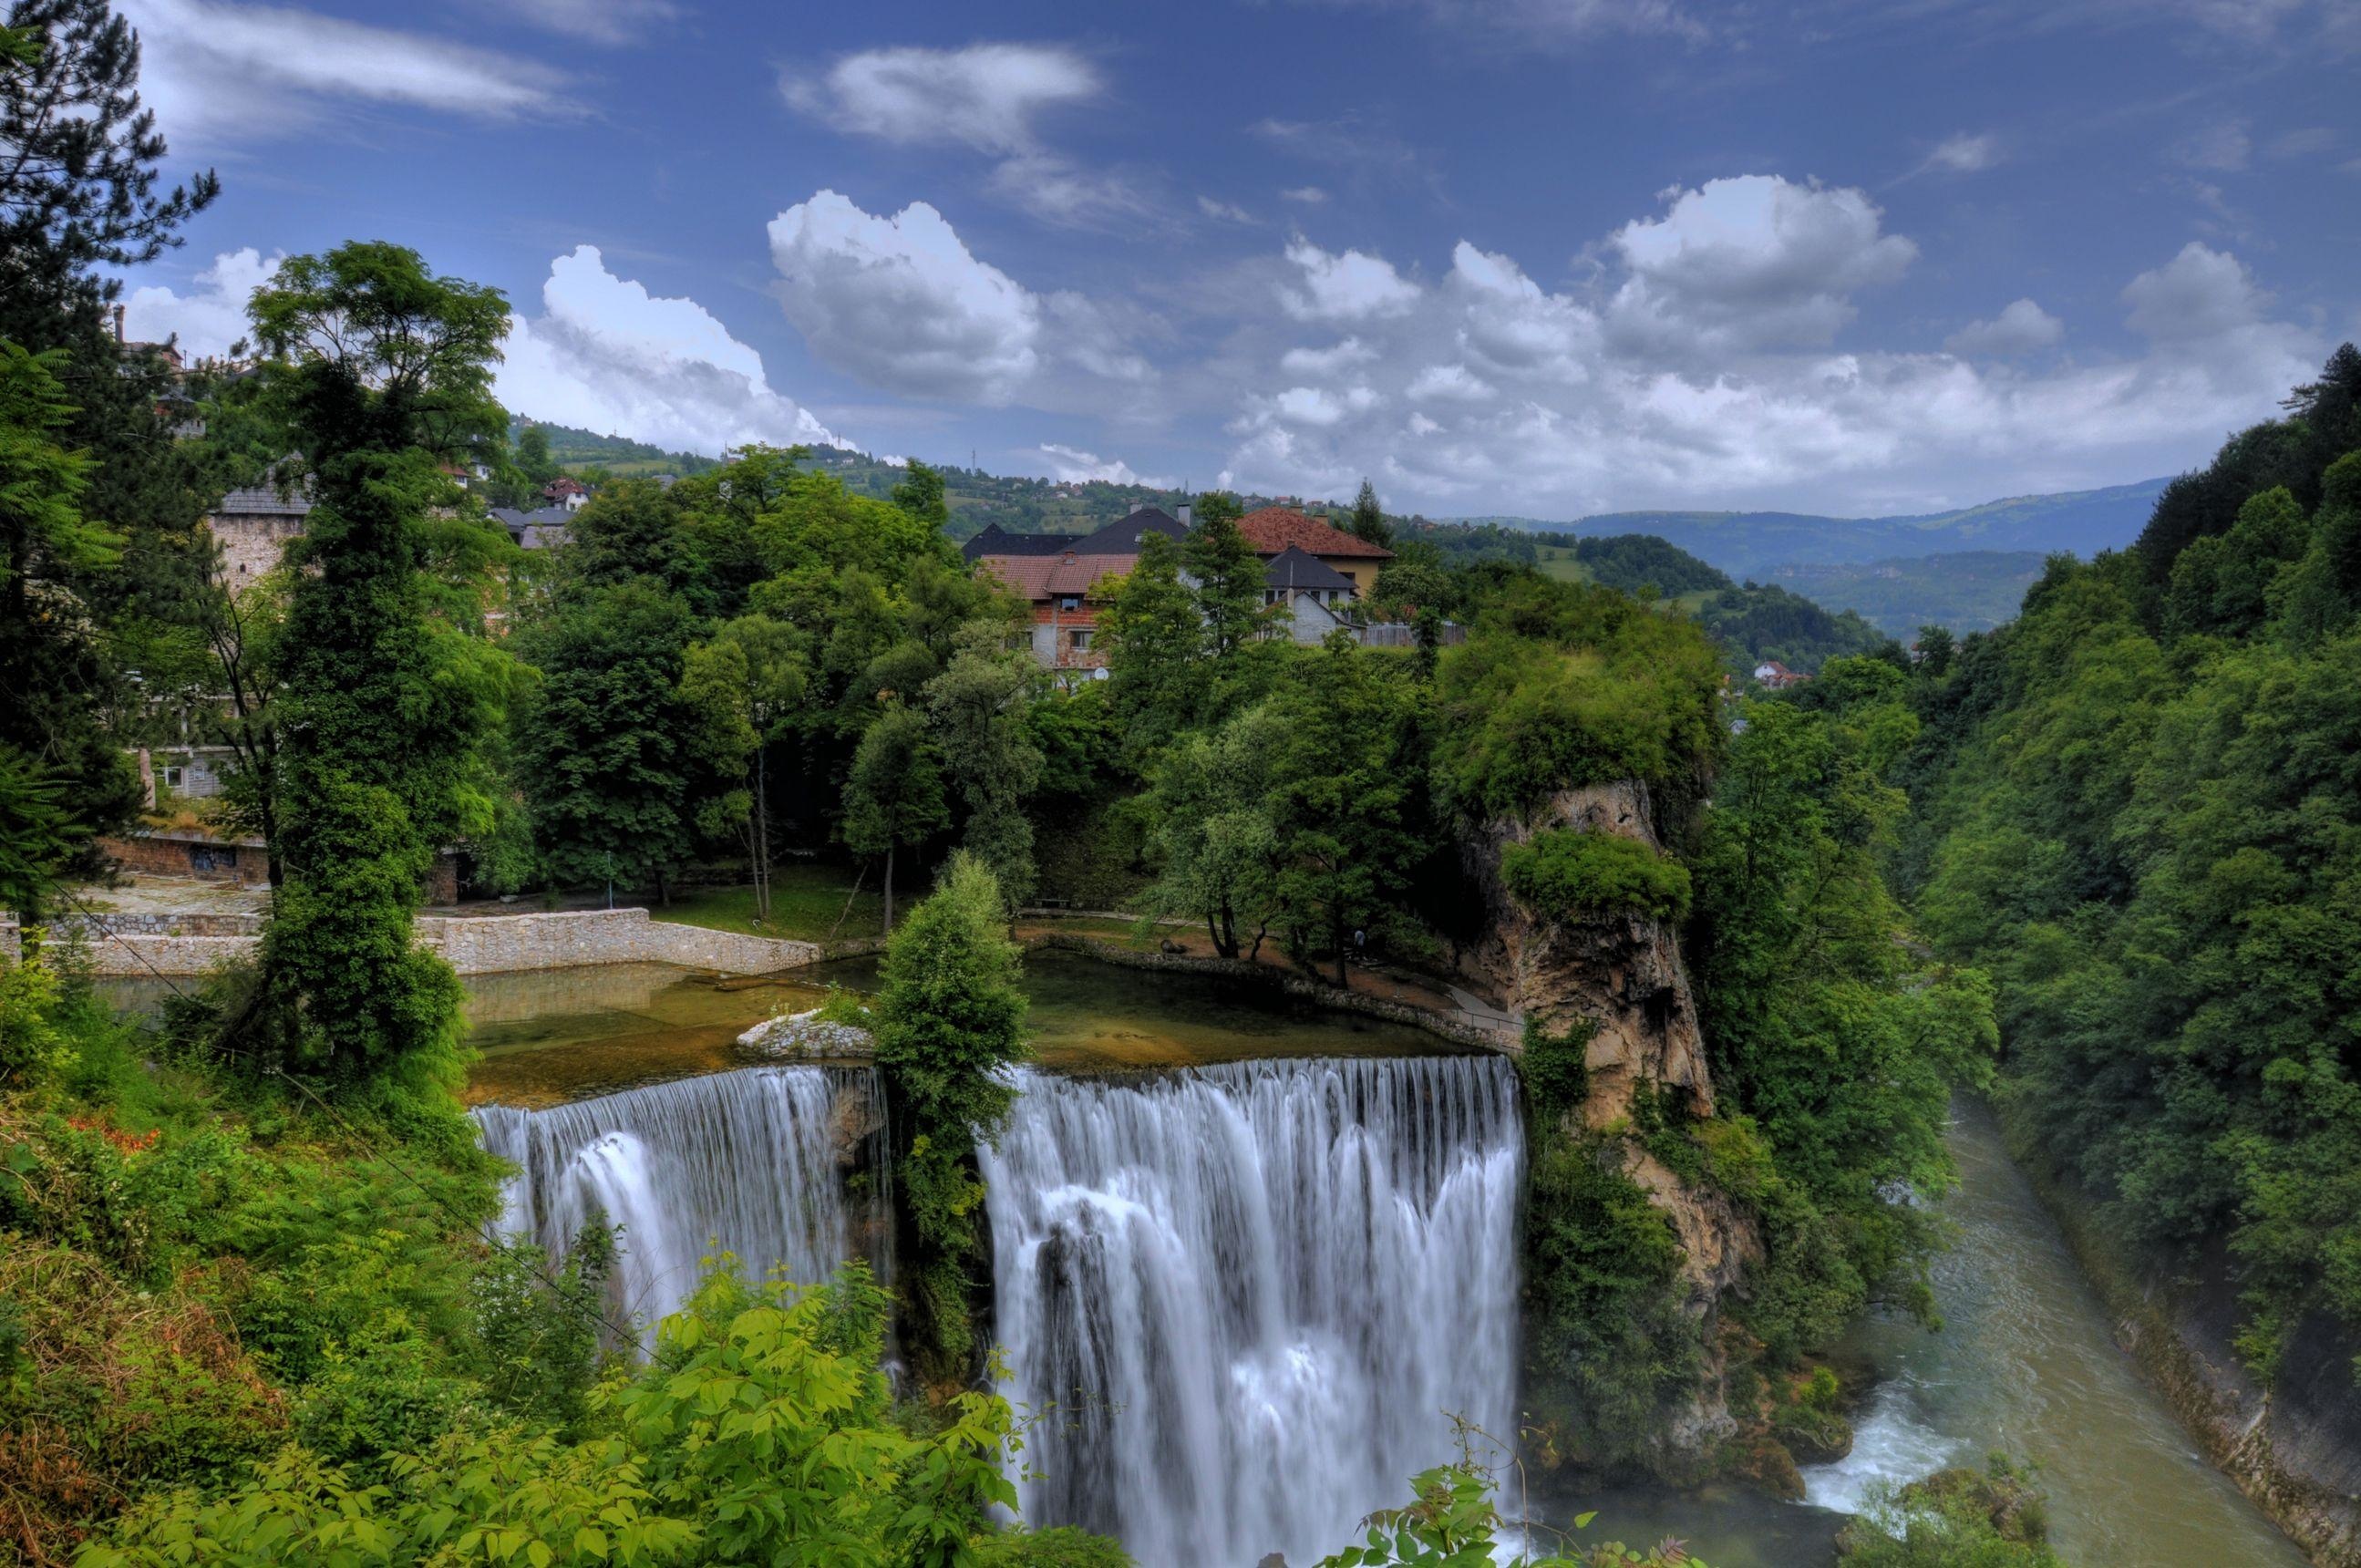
(1564, 874)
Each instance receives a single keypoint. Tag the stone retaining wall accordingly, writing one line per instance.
(497, 944)
(162, 922)
(491, 944)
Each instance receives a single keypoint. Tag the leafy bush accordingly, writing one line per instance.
(1555, 1069)
(1954, 1518)
(1609, 1348)
(1564, 874)
(1454, 1522)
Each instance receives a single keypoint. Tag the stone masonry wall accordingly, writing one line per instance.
(499, 943)
(492, 944)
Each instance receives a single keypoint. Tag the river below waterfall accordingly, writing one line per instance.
(1242, 1296)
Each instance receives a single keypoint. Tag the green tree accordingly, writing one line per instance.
(1214, 841)
(532, 459)
(1229, 578)
(894, 794)
(920, 494)
(976, 711)
(78, 164)
(745, 683)
(388, 686)
(1369, 519)
(606, 734)
(1345, 816)
(950, 1021)
(1155, 650)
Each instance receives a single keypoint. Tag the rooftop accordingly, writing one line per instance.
(1293, 570)
(1271, 530)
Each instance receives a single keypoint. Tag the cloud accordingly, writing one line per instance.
(1558, 26)
(1060, 191)
(1963, 154)
(1749, 263)
(1353, 286)
(1223, 212)
(986, 95)
(607, 356)
(217, 73)
(1329, 360)
(1071, 466)
(1487, 391)
(2224, 146)
(1309, 195)
(209, 318)
(2020, 328)
(598, 21)
(2305, 142)
(902, 303)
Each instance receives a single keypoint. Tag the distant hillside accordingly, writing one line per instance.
(1754, 543)
(1970, 590)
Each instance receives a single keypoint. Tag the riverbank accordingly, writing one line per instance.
(2295, 1452)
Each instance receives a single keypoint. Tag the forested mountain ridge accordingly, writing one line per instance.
(1752, 543)
(2139, 805)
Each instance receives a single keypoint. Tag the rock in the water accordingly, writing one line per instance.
(800, 1037)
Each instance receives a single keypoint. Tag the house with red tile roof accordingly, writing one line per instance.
(1274, 531)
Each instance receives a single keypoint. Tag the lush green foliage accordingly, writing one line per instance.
(1823, 1028)
(1611, 1348)
(1561, 685)
(389, 686)
(1453, 1520)
(1634, 562)
(2144, 814)
(1954, 1518)
(950, 1023)
(1564, 874)
(1760, 622)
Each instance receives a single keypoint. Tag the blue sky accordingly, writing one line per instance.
(1499, 255)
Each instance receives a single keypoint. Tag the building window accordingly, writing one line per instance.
(171, 778)
(1069, 601)
(1078, 641)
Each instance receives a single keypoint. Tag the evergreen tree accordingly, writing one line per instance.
(1369, 520)
(78, 168)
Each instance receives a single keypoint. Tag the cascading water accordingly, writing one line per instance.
(1244, 1297)
(750, 1163)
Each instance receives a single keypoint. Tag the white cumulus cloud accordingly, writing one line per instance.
(2021, 327)
(211, 317)
(1353, 286)
(607, 356)
(1753, 262)
(902, 303)
(1071, 466)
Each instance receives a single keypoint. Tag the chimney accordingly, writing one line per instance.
(118, 327)
(1184, 514)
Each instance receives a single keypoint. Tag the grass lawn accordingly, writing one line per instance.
(804, 902)
(1558, 561)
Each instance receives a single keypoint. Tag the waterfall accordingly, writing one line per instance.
(1243, 1298)
(751, 1163)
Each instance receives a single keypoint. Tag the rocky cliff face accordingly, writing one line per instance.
(1621, 975)
(1622, 972)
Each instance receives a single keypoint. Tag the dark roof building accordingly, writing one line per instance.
(1293, 571)
(997, 541)
(1122, 538)
(536, 530)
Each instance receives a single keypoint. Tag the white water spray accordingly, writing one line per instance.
(1246, 1296)
(750, 1163)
